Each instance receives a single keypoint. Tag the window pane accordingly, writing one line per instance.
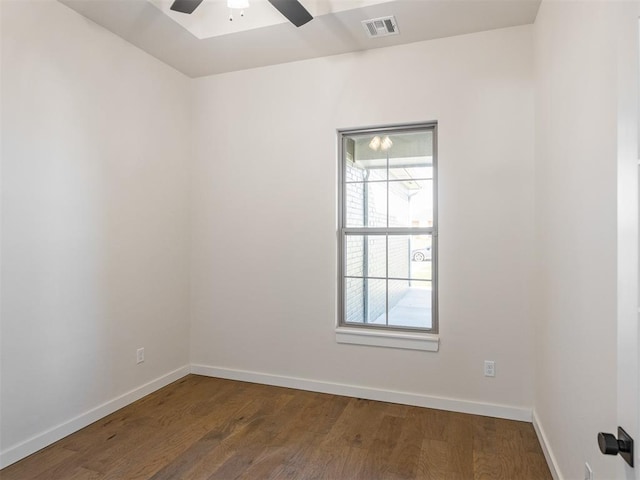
(376, 301)
(376, 196)
(368, 155)
(422, 172)
(421, 265)
(399, 205)
(354, 255)
(354, 300)
(420, 168)
(411, 203)
(366, 255)
(411, 149)
(377, 256)
(354, 205)
(366, 205)
(422, 205)
(365, 300)
(410, 303)
(354, 172)
(376, 174)
(410, 257)
(399, 256)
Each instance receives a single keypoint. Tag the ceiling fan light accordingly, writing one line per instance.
(239, 4)
(374, 144)
(386, 143)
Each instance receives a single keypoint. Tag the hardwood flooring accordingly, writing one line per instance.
(207, 428)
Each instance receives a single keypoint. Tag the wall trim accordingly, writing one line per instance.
(46, 438)
(378, 338)
(405, 398)
(546, 448)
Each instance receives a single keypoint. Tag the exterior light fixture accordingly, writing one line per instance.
(377, 143)
(237, 5)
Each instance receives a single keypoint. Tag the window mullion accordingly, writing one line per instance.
(386, 237)
(389, 231)
(386, 281)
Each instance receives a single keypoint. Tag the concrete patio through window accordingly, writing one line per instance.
(412, 310)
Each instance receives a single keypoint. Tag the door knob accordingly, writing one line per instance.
(623, 445)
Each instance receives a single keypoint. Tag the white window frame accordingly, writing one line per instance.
(384, 335)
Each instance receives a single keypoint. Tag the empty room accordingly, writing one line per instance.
(319, 239)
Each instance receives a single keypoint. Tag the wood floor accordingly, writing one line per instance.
(207, 428)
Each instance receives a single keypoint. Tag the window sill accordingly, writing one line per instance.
(427, 342)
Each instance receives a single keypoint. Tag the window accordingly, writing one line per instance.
(388, 229)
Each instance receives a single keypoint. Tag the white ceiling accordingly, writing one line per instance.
(335, 29)
(211, 18)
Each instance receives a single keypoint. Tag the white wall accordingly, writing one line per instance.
(98, 238)
(263, 265)
(583, 264)
(94, 219)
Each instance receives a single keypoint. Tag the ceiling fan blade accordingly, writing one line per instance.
(293, 10)
(185, 6)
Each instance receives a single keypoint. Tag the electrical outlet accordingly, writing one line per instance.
(588, 473)
(140, 355)
(489, 368)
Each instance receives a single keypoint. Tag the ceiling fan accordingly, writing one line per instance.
(293, 10)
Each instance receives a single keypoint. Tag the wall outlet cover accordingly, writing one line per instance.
(489, 368)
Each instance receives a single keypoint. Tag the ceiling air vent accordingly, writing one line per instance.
(381, 27)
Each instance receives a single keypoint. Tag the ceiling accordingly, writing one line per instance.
(263, 38)
(212, 17)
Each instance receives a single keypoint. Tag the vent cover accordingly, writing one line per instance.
(381, 27)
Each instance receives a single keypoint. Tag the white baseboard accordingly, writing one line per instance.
(41, 440)
(405, 398)
(544, 443)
